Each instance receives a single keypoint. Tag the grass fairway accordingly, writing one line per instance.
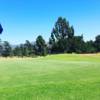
(56, 77)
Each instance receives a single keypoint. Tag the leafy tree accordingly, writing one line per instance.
(22, 50)
(40, 46)
(26, 49)
(60, 34)
(17, 51)
(62, 30)
(7, 50)
(77, 44)
(89, 47)
(97, 43)
(29, 50)
(1, 47)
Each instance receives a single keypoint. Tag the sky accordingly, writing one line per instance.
(26, 19)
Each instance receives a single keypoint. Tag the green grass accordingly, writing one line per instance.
(56, 77)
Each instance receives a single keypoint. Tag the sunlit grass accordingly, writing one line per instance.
(55, 77)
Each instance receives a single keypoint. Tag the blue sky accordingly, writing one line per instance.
(26, 19)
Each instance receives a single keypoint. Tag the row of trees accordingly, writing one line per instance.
(62, 40)
(27, 49)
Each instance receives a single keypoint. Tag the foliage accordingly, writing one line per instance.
(62, 40)
(40, 46)
(60, 35)
(97, 43)
(7, 50)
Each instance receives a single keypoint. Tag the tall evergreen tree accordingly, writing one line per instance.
(89, 47)
(77, 44)
(17, 51)
(29, 48)
(7, 50)
(40, 46)
(97, 43)
(62, 30)
(60, 35)
(1, 47)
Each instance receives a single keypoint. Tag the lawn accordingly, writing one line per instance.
(55, 77)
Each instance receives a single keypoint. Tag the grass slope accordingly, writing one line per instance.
(56, 77)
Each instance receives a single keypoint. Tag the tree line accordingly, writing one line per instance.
(62, 40)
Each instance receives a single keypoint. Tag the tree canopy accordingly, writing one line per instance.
(40, 46)
(62, 40)
(97, 43)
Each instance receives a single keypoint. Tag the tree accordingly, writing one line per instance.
(16, 51)
(89, 47)
(77, 44)
(40, 46)
(22, 50)
(29, 50)
(26, 49)
(1, 47)
(7, 50)
(61, 33)
(97, 43)
(62, 30)
(1, 29)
